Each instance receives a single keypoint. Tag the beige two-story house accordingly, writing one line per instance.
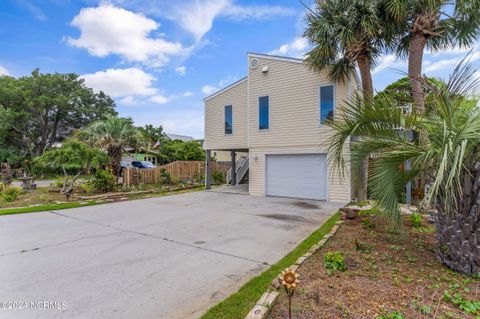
(276, 116)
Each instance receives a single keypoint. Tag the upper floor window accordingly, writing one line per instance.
(263, 120)
(228, 119)
(327, 103)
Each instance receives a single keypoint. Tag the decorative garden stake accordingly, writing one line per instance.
(289, 281)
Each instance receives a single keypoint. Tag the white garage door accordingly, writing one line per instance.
(297, 175)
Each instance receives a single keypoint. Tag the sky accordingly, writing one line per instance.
(159, 59)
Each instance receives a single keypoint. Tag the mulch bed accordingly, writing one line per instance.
(389, 276)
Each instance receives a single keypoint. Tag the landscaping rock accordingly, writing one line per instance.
(268, 299)
(258, 312)
(349, 213)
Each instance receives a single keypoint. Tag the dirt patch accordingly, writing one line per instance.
(388, 276)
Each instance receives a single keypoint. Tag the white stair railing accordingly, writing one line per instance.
(241, 166)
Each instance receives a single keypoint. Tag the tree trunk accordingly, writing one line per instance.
(458, 232)
(367, 88)
(115, 155)
(415, 59)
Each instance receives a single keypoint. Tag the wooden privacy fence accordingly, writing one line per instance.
(179, 170)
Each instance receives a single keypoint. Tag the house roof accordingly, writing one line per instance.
(225, 88)
(184, 138)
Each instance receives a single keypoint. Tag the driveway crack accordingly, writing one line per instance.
(119, 229)
(60, 244)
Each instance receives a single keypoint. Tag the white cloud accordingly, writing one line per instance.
(188, 93)
(296, 48)
(209, 89)
(159, 99)
(181, 70)
(435, 66)
(108, 30)
(3, 71)
(197, 16)
(121, 82)
(388, 61)
(129, 101)
(237, 12)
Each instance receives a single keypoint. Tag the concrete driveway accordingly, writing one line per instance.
(168, 257)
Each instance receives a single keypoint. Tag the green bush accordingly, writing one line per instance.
(87, 188)
(416, 220)
(59, 182)
(104, 181)
(367, 223)
(334, 260)
(10, 193)
(218, 177)
(165, 177)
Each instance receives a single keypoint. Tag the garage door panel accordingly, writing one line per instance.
(297, 175)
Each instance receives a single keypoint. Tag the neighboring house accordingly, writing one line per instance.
(152, 155)
(141, 154)
(183, 138)
(277, 114)
(218, 155)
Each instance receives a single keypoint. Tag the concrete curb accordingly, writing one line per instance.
(268, 299)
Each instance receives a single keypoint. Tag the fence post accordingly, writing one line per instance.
(208, 170)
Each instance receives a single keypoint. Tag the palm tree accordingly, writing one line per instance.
(445, 151)
(114, 135)
(432, 24)
(345, 34)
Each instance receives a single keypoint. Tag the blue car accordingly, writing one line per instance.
(143, 164)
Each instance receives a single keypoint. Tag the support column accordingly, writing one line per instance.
(208, 170)
(234, 168)
(408, 188)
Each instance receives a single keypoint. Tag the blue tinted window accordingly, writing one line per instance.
(228, 119)
(326, 103)
(263, 113)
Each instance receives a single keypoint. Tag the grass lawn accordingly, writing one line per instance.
(45, 201)
(239, 304)
(388, 276)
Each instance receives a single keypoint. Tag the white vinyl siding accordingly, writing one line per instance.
(215, 137)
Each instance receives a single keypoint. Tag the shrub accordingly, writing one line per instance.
(104, 181)
(59, 182)
(10, 193)
(166, 177)
(218, 177)
(416, 220)
(367, 223)
(334, 260)
(87, 188)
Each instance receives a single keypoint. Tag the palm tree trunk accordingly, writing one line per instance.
(367, 88)
(115, 155)
(415, 59)
(458, 232)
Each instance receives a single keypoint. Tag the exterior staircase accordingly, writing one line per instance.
(241, 170)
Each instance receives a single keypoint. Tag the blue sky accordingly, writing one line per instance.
(159, 59)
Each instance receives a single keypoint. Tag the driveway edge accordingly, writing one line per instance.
(268, 299)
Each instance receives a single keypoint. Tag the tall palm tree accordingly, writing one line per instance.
(346, 34)
(114, 135)
(432, 24)
(446, 152)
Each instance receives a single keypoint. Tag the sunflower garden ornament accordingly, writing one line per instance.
(289, 280)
